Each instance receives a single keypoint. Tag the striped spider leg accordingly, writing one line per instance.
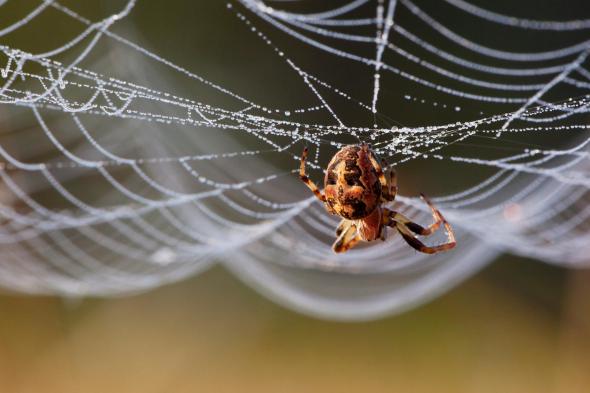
(409, 229)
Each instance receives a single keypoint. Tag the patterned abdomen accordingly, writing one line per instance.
(351, 185)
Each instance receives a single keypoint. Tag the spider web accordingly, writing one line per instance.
(116, 179)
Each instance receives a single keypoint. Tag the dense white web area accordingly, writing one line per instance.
(118, 186)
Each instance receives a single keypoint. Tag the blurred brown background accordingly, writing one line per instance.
(518, 326)
(212, 334)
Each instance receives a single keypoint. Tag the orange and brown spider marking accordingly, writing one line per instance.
(356, 188)
(351, 186)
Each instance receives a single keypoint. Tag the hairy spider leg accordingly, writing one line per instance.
(406, 227)
(304, 178)
(409, 237)
(419, 229)
(385, 188)
(392, 183)
(437, 216)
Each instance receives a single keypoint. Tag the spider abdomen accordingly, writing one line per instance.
(351, 185)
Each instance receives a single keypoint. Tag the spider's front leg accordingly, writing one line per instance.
(304, 178)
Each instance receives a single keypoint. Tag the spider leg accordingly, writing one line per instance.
(385, 188)
(419, 229)
(304, 178)
(405, 227)
(343, 226)
(388, 185)
(438, 218)
(392, 183)
(347, 239)
(419, 246)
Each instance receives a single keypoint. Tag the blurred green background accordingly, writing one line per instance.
(518, 326)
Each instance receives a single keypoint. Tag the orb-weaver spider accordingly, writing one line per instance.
(355, 188)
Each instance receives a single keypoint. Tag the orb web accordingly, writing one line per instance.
(118, 178)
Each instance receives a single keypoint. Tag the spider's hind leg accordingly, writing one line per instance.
(344, 225)
(411, 239)
(419, 229)
(348, 238)
(405, 227)
(438, 219)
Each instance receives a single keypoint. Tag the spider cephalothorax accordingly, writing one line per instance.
(356, 188)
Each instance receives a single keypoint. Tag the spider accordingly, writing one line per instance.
(355, 188)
